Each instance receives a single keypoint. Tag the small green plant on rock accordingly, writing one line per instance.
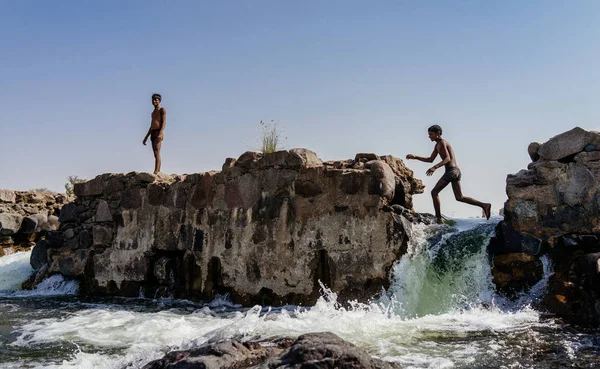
(42, 189)
(70, 185)
(271, 137)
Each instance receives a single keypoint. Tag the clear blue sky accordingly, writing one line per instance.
(341, 77)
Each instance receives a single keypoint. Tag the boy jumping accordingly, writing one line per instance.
(452, 174)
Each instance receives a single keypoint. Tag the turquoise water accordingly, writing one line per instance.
(440, 311)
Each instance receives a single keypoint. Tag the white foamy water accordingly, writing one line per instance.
(14, 270)
(439, 312)
(147, 336)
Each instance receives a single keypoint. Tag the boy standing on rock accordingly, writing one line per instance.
(452, 174)
(157, 130)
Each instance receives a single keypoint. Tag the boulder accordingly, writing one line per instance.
(248, 159)
(309, 158)
(566, 144)
(39, 254)
(7, 196)
(516, 272)
(93, 187)
(53, 223)
(585, 157)
(10, 223)
(384, 183)
(312, 350)
(366, 157)
(28, 225)
(553, 208)
(43, 222)
(326, 350)
(227, 354)
(508, 241)
(533, 149)
(68, 213)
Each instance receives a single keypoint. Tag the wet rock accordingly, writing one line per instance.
(39, 254)
(325, 350)
(516, 272)
(312, 350)
(508, 241)
(228, 354)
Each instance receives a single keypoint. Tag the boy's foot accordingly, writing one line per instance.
(487, 210)
(440, 220)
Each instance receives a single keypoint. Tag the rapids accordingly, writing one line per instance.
(440, 311)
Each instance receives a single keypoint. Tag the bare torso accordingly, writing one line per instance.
(156, 120)
(444, 149)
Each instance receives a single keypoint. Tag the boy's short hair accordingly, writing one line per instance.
(435, 129)
(157, 96)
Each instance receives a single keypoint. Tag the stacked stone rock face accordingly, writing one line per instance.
(553, 208)
(265, 229)
(25, 217)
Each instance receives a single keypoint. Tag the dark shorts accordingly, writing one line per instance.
(154, 136)
(452, 175)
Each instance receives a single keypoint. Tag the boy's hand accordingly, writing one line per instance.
(160, 136)
(410, 156)
(144, 142)
(430, 171)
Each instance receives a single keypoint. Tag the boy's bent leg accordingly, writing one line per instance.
(440, 185)
(458, 195)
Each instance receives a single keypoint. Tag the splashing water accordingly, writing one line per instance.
(440, 311)
(14, 270)
(444, 270)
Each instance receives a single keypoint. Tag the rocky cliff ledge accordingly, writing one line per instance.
(26, 216)
(553, 209)
(265, 230)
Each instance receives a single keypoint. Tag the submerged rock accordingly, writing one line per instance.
(311, 350)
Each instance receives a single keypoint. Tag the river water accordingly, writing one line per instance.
(440, 311)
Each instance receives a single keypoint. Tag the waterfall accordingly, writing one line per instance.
(446, 269)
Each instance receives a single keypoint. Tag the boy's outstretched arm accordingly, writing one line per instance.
(429, 159)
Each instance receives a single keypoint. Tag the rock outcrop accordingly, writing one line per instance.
(553, 209)
(266, 229)
(26, 216)
(312, 350)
